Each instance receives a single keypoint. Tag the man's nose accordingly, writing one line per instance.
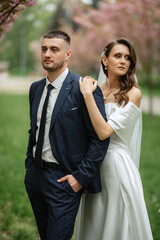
(47, 53)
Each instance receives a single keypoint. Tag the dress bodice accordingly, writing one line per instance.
(122, 120)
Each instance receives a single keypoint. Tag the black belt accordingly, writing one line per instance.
(53, 165)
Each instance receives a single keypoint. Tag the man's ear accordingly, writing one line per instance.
(68, 54)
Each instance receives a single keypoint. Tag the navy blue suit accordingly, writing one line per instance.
(78, 150)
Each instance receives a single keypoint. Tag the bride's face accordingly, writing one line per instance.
(118, 61)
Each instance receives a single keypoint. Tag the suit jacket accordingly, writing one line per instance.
(74, 143)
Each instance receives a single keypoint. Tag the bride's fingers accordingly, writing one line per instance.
(85, 80)
(95, 83)
(89, 79)
(80, 80)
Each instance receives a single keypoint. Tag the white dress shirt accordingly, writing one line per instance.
(57, 84)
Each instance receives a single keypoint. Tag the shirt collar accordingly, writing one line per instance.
(58, 81)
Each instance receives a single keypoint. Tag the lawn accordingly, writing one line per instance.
(16, 218)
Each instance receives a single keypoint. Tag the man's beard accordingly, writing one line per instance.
(55, 68)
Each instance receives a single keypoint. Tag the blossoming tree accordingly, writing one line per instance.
(138, 20)
(9, 12)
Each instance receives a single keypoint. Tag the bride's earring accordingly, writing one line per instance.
(105, 67)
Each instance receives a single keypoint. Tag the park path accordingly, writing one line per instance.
(20, 85)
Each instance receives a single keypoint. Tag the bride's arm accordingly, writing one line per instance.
(102, 128)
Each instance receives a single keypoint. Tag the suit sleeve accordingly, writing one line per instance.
(97, 149)
(28, 159)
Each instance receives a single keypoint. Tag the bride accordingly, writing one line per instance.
(119, 211)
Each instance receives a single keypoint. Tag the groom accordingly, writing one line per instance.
(64, 153)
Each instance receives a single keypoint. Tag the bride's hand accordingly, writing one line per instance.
(87, 85)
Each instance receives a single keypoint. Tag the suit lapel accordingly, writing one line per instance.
(65, 90)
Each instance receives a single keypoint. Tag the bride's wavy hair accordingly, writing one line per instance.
(127, 81)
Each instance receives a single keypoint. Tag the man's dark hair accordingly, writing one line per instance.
(58, 34)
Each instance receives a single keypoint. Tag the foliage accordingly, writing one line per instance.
(16, 44)
(22, 41)
(16, 217)
(9, 12)
(137, 20)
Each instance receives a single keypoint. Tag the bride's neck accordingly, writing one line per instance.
(112, 83)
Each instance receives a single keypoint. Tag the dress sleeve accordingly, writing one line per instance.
(123, 121)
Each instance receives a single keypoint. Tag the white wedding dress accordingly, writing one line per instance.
(119, 211)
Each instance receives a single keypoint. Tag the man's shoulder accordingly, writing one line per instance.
(34, 84)
(75, 77)
(74, 80)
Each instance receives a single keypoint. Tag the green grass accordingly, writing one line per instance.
(16, 221)
(150, 170)
(16, 217)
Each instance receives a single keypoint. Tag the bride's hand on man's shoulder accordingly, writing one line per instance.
(87, 85)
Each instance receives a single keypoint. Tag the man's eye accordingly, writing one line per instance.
(43, 49)
(54, 49)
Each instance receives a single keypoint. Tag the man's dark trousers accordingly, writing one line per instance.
(56, 222)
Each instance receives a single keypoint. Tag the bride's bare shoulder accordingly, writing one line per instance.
(135, 96)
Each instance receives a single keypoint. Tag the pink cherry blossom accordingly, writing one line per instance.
(9, 12)
(15, 1)
(137, 20)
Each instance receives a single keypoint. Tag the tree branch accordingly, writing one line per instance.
(9, 13)
(10, 10)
